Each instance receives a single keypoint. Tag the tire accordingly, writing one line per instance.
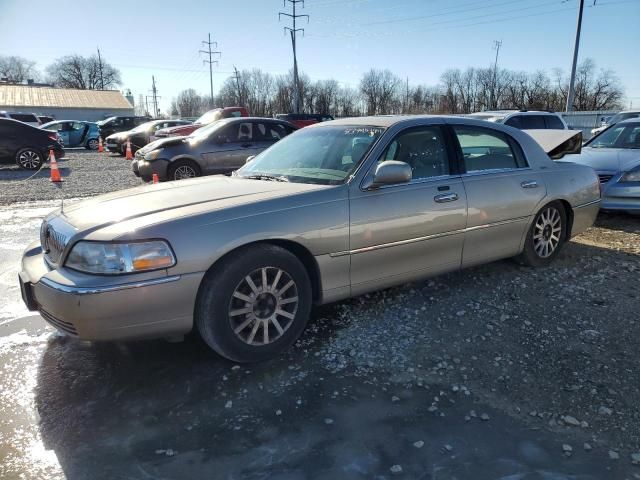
(182, 169)
(92, 144)
(544, 241)
(29, 158)
(232, 315)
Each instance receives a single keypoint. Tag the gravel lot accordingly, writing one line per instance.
(84, 173)
(553, 349)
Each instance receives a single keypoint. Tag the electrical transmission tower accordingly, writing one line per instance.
(292, 31)
(211, 61)
(154, 97)
(494, 100)
(100, 70)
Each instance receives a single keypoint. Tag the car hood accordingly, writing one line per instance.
(161, 143)
(610, 160)
(176, 199)
(180, 129)
(117, 137)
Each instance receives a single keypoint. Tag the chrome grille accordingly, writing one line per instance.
(604, 178)
(52, 242)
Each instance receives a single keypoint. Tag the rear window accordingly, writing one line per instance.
(24, 117)
(532, 122)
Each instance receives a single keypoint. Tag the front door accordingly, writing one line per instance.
(76, 134)
(410, 230)
(229, 149)
(502, 191)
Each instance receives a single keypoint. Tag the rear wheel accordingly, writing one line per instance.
(92, 144)
(29, 158)
(183, 169)
(546, 236)
(255, 304)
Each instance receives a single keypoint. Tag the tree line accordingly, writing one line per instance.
(381, 92)
(70, 71)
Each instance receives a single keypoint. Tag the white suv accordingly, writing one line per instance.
(28, 118)
(524, 119)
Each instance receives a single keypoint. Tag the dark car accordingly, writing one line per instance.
(112, 125)
(219, 148)
(205, 119)
(26, 145)
(139, 136)
(301, 120)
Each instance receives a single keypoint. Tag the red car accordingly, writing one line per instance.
(302, 120)
(207, 118)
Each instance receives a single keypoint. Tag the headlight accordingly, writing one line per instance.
(152, 155)
(631, 176)
(117, 258)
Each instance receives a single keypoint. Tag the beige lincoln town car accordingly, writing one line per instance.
(334, 210)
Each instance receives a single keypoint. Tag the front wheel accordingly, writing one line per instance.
(255, 304)
(182, 169)
(546, 236)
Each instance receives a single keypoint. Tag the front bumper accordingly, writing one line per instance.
(623, 196)
(113, 147)
(132, 309)
(146, 169)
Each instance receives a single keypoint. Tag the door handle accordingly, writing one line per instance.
(529, 184)
(446, 197)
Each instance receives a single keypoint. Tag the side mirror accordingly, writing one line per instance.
(390, 172)
(249, 158)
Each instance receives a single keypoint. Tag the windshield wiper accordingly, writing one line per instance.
(264, 176)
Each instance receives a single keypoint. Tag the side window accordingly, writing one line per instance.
(77, 126)
(259, 131)
(514, 122)
(532, 122)
(245, 132)
(422, 148)
(484, 149)
(554, 122)
(276, 132)
(56, 127)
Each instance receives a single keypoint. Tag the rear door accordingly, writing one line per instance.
(502, 193)
(76, 133)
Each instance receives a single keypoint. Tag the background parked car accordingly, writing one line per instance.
(618, 117)
(25, 145)
(615, 156)
(75, 133)
(220, 148)
(113, 125)
(45, 119)
(301, 120)
(206, 119)
(523, 119)
(28, 118)
(139, 136)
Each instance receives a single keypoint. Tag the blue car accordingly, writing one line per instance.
(74, 133)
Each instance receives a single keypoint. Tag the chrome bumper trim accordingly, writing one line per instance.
(588, 203)
(112, 288)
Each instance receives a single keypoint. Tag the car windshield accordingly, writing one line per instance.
(143, 127)
(105, 121)
(210, 116)
(617, 136)
(325, 155)
(622, 116)
(206, 131)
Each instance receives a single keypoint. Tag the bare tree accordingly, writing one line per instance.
(17, 69)
(188, 103)
(379, 87)
(85, 73)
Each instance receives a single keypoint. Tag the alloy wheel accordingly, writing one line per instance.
(263, 306)
(184, 171)
(547, 232)
(29, 159)
(93, 144)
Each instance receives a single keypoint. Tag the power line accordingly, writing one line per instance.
(209, 44)
(293, 31)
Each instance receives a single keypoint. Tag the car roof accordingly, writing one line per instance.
(390, 120)
(628, 121)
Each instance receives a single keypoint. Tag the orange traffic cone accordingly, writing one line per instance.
(155, 178)
(55, 173)
(100, 146)
(129, 155)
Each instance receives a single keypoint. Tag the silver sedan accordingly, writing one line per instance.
(615, 156)
(332, 211)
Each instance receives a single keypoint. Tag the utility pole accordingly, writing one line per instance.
(292, 31)
(493, 102)
(155, 96)
(236, 76)
(100, 68)
(211, 61)
(572, 81)
(406, 108)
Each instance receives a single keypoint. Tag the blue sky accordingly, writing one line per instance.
(418, 39)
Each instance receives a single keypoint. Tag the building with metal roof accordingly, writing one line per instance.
(65, 103)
